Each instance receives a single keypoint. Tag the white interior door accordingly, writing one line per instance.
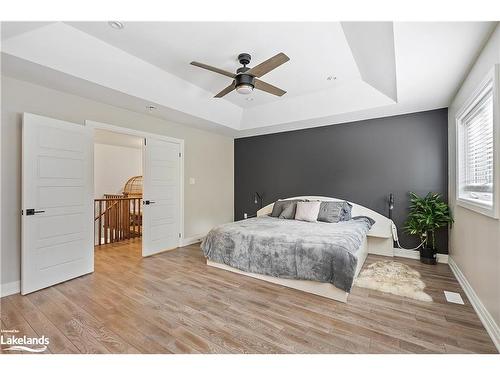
(161, 196)
(57, 201)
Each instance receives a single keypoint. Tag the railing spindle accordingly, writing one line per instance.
(106, 223)
(136, 218)
(99, 223)
(115, 224)
(139, 217)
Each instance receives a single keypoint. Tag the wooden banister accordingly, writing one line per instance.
(108, 207)
(117, 219)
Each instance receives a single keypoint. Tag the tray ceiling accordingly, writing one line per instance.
(337, 71)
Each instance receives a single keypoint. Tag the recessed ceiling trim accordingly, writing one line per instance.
(102, 67)
(71, 51)
(372, 45)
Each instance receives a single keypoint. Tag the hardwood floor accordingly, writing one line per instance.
(174, 303)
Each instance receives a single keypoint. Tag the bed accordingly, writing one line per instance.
(319, 258)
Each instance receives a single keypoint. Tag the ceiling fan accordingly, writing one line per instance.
(246, 79)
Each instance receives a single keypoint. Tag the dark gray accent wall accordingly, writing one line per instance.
(360, 161)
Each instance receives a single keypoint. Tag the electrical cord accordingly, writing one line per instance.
(396, 239)
(415, 248)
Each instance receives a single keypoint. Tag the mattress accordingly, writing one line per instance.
(292, 249)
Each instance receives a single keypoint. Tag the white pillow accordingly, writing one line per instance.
(307, 211)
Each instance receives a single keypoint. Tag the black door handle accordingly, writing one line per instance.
(32, 211)
(148, 202)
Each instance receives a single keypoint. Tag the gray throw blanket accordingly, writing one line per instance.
(292, 249)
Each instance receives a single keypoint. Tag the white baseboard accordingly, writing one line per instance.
(10, 288)
(415, 254)
(489, 323)
(191, 240)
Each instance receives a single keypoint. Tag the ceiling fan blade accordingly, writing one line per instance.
(261, 85)
(226, 91)
(213, 69)
(268, 65)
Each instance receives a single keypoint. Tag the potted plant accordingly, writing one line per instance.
(427, 215)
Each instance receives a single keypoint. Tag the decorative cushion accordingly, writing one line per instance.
(289, 211)
(346, 212)
(333, 212)
(279, 206)
(307, 211)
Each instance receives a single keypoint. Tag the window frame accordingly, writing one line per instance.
(492, 211)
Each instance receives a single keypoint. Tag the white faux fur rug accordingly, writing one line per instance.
(395, 278)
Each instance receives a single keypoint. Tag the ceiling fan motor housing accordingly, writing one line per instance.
(241, 78)
(244, 79)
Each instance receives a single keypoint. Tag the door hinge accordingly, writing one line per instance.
(145, 141)
(179, 235)
(180, 154)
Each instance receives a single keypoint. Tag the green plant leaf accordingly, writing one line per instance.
(427, 214)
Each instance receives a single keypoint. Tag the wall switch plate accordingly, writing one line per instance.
(192, 181)
(453, 297)
(245, 215)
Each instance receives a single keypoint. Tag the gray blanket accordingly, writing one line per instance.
(290, 249)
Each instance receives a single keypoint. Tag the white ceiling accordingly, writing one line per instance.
(12, 29)
(173, 45)
(381, 68)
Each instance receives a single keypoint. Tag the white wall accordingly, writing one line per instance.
(208, 158)
(113, 166)
(475, 239)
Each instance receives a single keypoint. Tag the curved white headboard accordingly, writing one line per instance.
(382, 227)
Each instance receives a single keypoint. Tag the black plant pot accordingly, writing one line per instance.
(428, 255)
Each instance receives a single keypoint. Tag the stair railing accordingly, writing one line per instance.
(117, 218)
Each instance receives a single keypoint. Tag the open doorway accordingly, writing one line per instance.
(118, 189)
(61, 223)
(160, 208)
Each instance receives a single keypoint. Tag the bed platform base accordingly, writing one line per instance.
(326, 290)
(321, 289)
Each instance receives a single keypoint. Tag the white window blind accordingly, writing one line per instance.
(476, 180)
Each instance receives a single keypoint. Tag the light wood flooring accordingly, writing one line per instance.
(174, 303)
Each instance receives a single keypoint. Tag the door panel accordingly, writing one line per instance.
(161, 187)
(59, 167)
(60, 196)
(57, 242)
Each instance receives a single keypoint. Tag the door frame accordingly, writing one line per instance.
(139, 133)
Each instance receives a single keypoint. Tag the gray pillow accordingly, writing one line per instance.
(289, 211)
(280, 205)
(346, 212)
(333, 212)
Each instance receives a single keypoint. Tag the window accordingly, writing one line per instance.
(475, 152)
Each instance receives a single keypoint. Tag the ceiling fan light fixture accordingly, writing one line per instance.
(244, 83)
(244, 88)
(247, 79)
